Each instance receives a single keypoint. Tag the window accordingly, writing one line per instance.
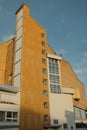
(15, 114)
(45, 81)
(45, 92)
(2, 116)
(43, 52)
(44, 71)
(54, 76)
(65, 126)
(42, 35)
(83, 114)
(12, 116)
(53, 66)
(55, 121)
(54, 88)
(45, 104)
(43, 43)
(45, 117)
(79, 113)
(8, 116)
(44, 61)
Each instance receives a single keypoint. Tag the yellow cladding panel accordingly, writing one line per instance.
(6, 62)
(76, 94)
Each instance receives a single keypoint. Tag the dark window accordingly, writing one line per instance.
(43, 43)
(45, 104)
(45, 92)
(45, 81)
(45, 117)
(42, 35)
(44, 71)
(55, 121)
(2, 116)
(8, 120)
(44, 61)
(43, 52)
(15, 114)
(64, 125)
(9, 114)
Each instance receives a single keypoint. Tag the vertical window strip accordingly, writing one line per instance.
(54, 76)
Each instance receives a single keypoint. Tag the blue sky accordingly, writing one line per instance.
(66, 25)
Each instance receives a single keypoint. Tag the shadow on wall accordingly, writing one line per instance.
(70, 120)
(32, 119)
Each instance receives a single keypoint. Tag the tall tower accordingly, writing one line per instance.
(30, 71)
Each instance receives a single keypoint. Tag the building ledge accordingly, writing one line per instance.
(67, 90)
(8, 88)
(58, 57)
(52, 126)
(6, 125)
(81, 121)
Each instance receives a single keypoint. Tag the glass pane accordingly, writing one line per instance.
(45, 92)
(8, 120)
(2, 116)
(15, 114)
(9, 114)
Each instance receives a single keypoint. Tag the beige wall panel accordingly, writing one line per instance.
(17, 68)
(8, 107)
(19, 23)
(18, 55)
(19, 33)
(62, 109)
(9, 98)
(17, 81)
(18, 44)
(19, 14)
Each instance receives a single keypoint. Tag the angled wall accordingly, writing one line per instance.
(6, 62)
(69, 79)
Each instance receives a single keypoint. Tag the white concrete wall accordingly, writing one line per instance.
(9, 97)
(8, 107)
(61, 108)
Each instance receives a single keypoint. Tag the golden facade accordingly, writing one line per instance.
(31, 54)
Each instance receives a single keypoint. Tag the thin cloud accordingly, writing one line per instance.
(83, 63)
(85, 54)
(7, 37)
(84, 40)
(62, 51)
(80, 69)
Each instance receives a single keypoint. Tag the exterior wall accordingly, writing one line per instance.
(8, 100)
(6, 62)
(61, 108)
(8, 97)
(69, 79)
(32, 110)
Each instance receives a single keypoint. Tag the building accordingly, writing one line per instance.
(38, 88)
